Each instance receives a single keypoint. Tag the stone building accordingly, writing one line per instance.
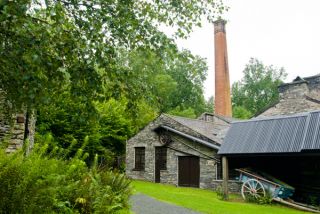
(300, 95)
(178, 151)
(15, 129)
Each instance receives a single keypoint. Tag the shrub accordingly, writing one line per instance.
(220, 193)
(40, 183)
(267, 199)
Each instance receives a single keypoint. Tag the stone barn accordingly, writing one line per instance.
(178, 151)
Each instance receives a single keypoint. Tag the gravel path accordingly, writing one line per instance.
(142, 204)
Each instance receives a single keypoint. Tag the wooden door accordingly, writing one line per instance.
(157, 166)
(189, 171)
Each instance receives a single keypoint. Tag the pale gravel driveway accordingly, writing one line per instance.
(143, 204)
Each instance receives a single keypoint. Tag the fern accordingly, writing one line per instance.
(44, 181)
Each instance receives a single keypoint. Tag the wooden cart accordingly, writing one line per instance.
(256, 184)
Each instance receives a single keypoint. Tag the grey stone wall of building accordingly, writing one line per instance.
(179, 146)
(233, 186)
(12, 128)
(296, 97)
(182, 147)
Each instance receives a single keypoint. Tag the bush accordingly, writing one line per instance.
(220, 193)
(38, 183)
(267, 199)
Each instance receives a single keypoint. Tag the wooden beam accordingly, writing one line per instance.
(225, 175)
(295, 205)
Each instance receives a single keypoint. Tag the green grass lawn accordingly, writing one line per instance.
(206, 201)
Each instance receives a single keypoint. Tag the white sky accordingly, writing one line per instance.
(283, 33)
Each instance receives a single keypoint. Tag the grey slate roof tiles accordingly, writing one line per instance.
(280, 134)
(210, 130)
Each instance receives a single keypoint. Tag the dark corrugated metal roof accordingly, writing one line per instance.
(280, 134)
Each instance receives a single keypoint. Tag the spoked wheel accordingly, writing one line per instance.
(252, 188)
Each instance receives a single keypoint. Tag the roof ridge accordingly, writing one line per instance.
(274, 117)
(221, 117)
(300, 80)
(173, 116)
(313, 76)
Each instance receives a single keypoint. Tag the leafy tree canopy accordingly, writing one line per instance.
(48, 44)
(100, 68)
(115, 121)
(257, 89)
(241, 112)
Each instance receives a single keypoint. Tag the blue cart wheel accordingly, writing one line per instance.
(252, 188)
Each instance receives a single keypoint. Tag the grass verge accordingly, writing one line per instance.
(206, 201)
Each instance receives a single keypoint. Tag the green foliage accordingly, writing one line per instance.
(109, 123)
(101, 69)
(259, 86)
(106, 131)
(267, 199)
(241, 112)
(209, 105)
(189, 112)
(220, 193)
(171, 79)
(40, 183)
(190, 73)
(49, 44)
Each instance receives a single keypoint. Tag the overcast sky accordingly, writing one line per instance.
(283, 33)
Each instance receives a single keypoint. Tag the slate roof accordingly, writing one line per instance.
(211, 130)
(221, 117)
(279, 134)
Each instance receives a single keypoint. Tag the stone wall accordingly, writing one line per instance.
(12, 128)
(179, 146)
(302, 95)
(233, 186)
(182, 147)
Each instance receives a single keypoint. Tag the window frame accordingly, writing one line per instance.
(139, 158)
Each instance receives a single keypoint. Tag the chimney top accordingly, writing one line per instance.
(219, 26)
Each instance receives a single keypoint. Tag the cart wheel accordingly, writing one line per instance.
(252, 187)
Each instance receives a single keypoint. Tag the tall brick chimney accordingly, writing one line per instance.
(222, 82)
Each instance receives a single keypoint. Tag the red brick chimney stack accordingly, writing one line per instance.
(222, 82)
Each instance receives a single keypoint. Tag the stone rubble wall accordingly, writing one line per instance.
(207, 164)
(293, 98)
(233, 186)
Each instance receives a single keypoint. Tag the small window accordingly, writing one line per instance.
(139, 158)
(161, 157)
(219, 171)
